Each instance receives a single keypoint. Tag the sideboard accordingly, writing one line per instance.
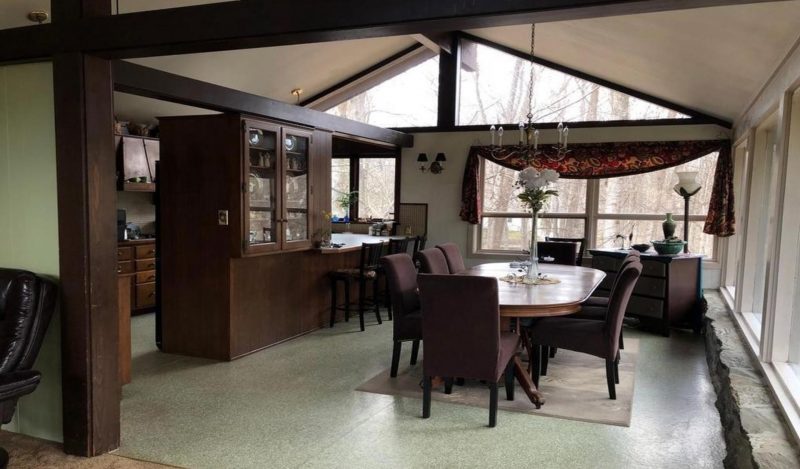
(668, 293)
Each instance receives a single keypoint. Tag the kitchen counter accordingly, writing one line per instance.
(352, 242)
(136, 242)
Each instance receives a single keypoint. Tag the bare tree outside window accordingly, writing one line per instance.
(376, 178)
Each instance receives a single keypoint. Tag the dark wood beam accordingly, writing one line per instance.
(86, 176)
(449, 83)
(694, 113)
(152, 83)
(250, 23)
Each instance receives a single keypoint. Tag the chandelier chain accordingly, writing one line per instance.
(530, 71)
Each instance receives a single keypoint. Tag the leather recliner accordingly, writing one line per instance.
(27, 303)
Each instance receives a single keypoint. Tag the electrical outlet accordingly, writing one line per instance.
(222, 217)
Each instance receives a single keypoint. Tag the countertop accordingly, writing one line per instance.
(352, 242)
(135, 242)
(651, 253)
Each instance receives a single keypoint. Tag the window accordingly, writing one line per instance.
(373, 178)
(410, 99)
(623, 205)
(494, 89)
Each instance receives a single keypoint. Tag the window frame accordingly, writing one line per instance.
(591, 217)
(354, 180)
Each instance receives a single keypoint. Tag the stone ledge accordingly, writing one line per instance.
(756, 434)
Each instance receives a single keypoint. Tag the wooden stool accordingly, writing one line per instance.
(366, 272)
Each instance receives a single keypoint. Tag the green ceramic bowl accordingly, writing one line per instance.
(668, 248)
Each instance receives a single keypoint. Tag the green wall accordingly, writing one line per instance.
(29, 220)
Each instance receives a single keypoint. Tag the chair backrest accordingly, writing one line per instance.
(419, 243)
(581, 244)
(563, 253)
(633, 255)
(432, 261)
(398, 245)
(402, 279)
(27, 302)
(454, 260)
(461, 325)
(618, 303)
(370, 256)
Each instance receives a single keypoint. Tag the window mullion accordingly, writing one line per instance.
(592, 204)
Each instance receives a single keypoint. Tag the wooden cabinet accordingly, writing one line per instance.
(139, 259)
(136, 159)
(668, 293)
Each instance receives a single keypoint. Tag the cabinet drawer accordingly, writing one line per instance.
(145, 264)
(146, 251)
(605, 263)
(146, 276)
(145, 295)
(645, 307)
(125, 267)
(654, 269)
(651, 287)
(124, 253)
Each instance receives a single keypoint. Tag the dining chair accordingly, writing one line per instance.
(419, 245)
(461, 327)
(395, 246)
(432, 261)
(454, 260)
(563, 253)
(603, 300)
(401, 276)
(581, 244)
(365, 272)
(598, 338)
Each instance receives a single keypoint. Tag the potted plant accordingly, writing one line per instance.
(322, 236)
(345, 201)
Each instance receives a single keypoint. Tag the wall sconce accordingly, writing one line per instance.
(436, 167)
(686, 187)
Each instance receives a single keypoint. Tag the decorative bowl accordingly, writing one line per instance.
(641, 247)
(668, 247)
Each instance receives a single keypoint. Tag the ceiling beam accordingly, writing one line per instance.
(152, 83)
(250, 23)
(436, 42)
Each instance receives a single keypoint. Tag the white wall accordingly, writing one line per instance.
(442, 192)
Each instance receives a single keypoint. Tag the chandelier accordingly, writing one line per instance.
(528, 146)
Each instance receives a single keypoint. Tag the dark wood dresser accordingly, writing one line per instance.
(669, 292)
(138, 257)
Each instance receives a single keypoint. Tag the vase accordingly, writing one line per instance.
(533, 263)
(668, 226)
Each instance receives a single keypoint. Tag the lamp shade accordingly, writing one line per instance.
(422, 158)
(687, 180)
(440, 157)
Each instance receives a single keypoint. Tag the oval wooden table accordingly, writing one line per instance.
(519, 300)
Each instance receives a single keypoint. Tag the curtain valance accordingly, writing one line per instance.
(613, 159)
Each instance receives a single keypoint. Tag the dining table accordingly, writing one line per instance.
(562, 291)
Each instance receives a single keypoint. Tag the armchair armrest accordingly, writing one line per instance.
(18, 383)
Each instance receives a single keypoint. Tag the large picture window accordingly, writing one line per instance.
(605, 208)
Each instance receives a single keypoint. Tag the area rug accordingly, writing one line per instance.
(574, 388)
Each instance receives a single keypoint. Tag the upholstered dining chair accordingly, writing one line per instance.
(598, 338)
(395, 246)
(365, 273)
(562, 253)
(602, 301)
(432, 261)
(454, 260)
(401, 276)
(461, 327)
(27, 302)
(581, 244)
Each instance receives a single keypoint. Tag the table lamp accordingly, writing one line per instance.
(686, 187)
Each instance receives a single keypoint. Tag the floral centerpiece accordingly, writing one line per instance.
(534, 196)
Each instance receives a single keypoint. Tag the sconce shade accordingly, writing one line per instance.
(440, 157)
(422, 158)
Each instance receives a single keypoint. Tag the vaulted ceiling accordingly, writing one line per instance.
(714, 60)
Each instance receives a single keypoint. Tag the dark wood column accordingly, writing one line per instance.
(87, 242)
(449, 62)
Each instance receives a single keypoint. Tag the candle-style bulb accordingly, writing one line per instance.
(500, 135)
(566, 134)
(535, 139)
(492, 131)
(560, 130)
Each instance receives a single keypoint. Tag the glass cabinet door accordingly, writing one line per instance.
(296, 149)
(261, 211)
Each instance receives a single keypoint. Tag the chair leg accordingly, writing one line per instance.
(395, 357)
(375, 292)
(553, 351)
(347, 300)
(545, 359)
(333, 300)
(387, 301)
(448, 385)
(510, 380)
(535, 364)
(493, 405)
(414, 351)
(426, 397)
(616, 370)
(361, 301)
(612, 393)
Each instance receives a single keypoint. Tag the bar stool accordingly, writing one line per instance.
(396, 246)
(365, 272)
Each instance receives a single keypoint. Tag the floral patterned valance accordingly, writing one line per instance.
(613, 159)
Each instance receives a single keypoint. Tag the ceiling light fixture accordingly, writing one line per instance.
(38, 16)
(528, 146)
(297, 92)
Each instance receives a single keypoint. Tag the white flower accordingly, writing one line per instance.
(550, 175)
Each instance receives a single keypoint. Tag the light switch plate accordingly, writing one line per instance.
(222, 217)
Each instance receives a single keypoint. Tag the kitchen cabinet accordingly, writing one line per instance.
(136, 259)
(668, 293)
(136, 158)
